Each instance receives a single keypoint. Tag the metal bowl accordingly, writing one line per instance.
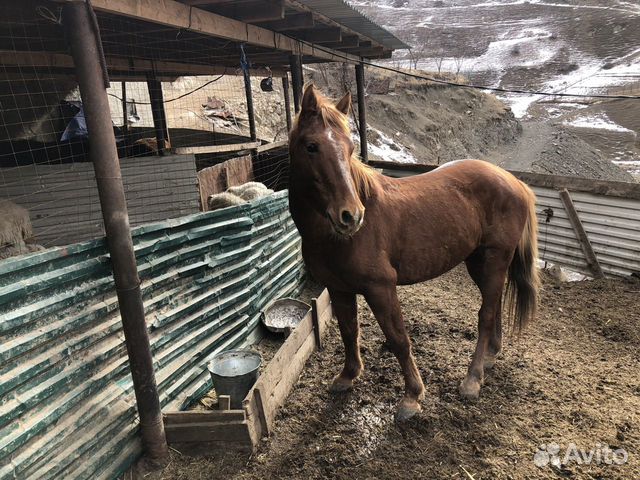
(284, 313)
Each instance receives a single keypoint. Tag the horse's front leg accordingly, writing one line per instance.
(346, 310)
(386, 308)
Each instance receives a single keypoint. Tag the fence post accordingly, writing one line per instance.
(362, 113)
(157, 110)
(295, 64)
(287, 101)
(250, 112)
(81, 29)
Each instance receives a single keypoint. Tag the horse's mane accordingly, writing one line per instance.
(363, 175)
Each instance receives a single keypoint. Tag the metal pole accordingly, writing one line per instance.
(125, 122)
(295, 64)
(250, 113)
(362, 113)
(287, 100)
(157, 110)
(84, 42)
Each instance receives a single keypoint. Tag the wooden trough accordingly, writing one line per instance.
(205, 432)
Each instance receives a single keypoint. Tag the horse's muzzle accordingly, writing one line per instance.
(348, 222)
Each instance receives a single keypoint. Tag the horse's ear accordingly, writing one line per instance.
(309, 100)
(344, 103)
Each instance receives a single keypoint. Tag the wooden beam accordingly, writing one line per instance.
(581, 234)
(301, 7)
(290, 22)
(202, 416)
(272, 146)
(362, 113)
(180, 16)
(231, 147)
(330, 34)
(346, 42)
(126, 66)
(254, 12)
(287, 101)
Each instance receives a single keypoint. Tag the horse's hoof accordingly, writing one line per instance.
(470, 388)
(407, 409)
(341, 384)
(489, 360)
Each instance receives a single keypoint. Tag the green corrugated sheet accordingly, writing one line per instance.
(67, 408)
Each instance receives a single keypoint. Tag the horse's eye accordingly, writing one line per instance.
(312, 148)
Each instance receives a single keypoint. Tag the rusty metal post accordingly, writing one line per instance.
(287, 101)
(362, 113)
(157, 110)
(295, 64)
(83, 38)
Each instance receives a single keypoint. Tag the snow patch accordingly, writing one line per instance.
(599, 121)
(387, 149)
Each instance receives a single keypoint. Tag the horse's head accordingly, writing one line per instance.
(322, 166)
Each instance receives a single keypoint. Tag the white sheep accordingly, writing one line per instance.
(223, 200)
(15, 227)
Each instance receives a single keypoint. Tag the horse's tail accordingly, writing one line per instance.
(523, 281)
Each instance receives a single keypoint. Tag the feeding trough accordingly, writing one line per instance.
(233, 373)
(284, 314)
(240, 426)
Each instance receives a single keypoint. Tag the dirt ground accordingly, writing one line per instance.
(572, 378)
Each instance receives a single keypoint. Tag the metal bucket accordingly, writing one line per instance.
(233, 373)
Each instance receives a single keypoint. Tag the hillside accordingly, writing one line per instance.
(561, 46)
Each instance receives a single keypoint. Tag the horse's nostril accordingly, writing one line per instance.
(347, 218)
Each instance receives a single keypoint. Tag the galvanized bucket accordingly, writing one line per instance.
(233, 373)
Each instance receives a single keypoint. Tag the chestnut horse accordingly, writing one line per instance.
(364, 233)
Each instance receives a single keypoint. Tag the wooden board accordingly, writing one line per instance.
(202, 416)
(218, 178)
(230, 147)
(210, 431)
(274, 385)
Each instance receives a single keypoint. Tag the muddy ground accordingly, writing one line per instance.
(572, 378)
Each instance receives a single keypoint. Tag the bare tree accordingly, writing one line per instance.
(459, 61)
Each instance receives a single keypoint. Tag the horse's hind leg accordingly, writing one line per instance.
(488, 269)
(386, 308)
(346, 310)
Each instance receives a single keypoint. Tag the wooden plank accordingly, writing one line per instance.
(178, 15)
(255, 12)
(130, 68)
(197, 449)
(316, 323)
(279, 363)
(585, 244)
(208, 431)
(330, 34)
(224, 403)
(290, 22)
(230, 147)
(272, 146)
(203, 416)
(278, 394)
(262, 414)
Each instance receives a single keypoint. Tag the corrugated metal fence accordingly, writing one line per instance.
(611, 223)
(67, 407)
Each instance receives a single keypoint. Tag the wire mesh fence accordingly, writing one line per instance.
(167, 86)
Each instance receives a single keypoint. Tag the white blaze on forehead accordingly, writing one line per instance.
(343, 165)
